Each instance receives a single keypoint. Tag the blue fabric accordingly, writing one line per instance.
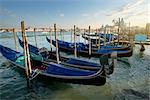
(63, 44)
(108, 36)
(70, 45)
(81, 62)
(9, 53)
(32, 49)
(101, 51)
(60, 70)
(140, 38)
(110, 46)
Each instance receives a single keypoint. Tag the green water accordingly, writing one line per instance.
(130, 80)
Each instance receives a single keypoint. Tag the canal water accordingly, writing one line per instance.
(130, 80)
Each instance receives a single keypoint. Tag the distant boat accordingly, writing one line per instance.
(77, 34)
(55, 71)
(95, 37)
(1, 31)
(45, 33)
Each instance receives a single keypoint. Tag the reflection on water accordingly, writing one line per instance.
(141, 54)
(130, 80)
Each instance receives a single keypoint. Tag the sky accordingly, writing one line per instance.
(66, 13)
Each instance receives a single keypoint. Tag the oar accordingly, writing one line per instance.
(16, 44)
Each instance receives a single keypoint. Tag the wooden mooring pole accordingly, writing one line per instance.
(71, 35)
(105, 36)
(89, 42)
(108, 36)
(78, 36)
(16, 43)
(84, 35)
(26, 54)
(50, 39)
(63, 33)
(57, 54)
(75, 48)
(60, 34)
(99, 42)
(35, 37)
(118, 31)
(96, 37)
(112, 39)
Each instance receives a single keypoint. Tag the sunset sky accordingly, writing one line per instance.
(66, 13)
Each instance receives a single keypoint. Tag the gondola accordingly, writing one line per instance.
(125, 46)
(69, 47)
(71, 62)
(55, 71)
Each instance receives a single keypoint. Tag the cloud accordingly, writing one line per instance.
(96, 14)
(126, 9)
(135, 11)
(61, 15)
(85, 15)
(6, 12)
(143, 13)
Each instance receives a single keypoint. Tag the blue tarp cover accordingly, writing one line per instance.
(59, 70)
(140, 38)
(81, 62)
